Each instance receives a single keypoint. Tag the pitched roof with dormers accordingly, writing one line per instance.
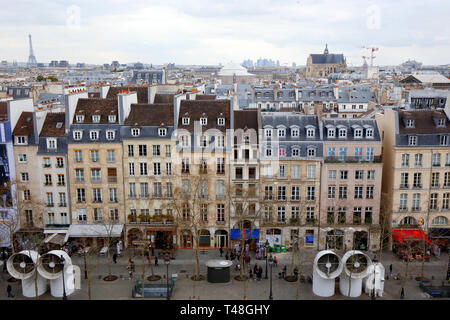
(90, 106)
(150, 115)
(25, 125)
(210, 109)
(425, 122)
(54, 125)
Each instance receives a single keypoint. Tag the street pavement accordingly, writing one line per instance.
(186, 289)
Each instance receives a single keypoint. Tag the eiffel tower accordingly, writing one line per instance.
(31, 59)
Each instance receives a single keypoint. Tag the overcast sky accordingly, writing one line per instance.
(220, 31)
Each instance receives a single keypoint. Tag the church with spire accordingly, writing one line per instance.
(321, 65)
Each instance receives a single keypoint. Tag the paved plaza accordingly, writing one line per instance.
(186, 289)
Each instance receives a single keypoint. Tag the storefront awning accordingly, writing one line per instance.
(94, 231)
(56, 238)
(401, 236)
(235, 234)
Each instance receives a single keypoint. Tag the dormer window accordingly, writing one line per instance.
(295, 132)
(203, 121)
(135, 132)
(343, 133)
(358, 133)
(331, 133)
(79, 118)
(221, 121)
(93, 134)
(268, 152)
(110, 134)
(185, 121)
(281, 132)
(295, 152)
(441, 122)
(112, 118)
(311, 152)
(21, 140)
(369, 133)
(51, 143)
(410, 123)
(162, 132)
(59, 125)
(96, 118)
(310, 132)
(268, 132)
(77, 135)
(412, 140)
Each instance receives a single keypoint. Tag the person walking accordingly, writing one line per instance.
(275, 261)
(149, 259)
(221, 251)
(402, 293)
(390, 270)
(226, 256)
(115, 257)
(156, 261)
(9, 291)
(248, 259)
(260, 273)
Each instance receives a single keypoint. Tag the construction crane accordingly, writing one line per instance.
(372, 49)
(365, 62)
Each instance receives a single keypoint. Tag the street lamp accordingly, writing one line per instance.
(64, 283)
(266, 267)
(167, 262)
(85, 268)
(271, 263)
(373, 292)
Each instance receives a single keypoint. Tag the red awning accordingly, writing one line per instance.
(401, 236)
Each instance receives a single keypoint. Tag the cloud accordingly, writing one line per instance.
(209, 32)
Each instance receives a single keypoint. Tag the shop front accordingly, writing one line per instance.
(251, 237)
(93, 235)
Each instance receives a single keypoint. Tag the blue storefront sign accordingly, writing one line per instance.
(235, 234)
(309, 239)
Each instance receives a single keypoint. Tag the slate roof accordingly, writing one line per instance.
(205, 97)
(150, 115)
(90, 106)
(350, 124)
(327, 58)
(163, 98)
(246, 119)
(424, 122)
(211, 109)
(25, 125)
(50, 129)
(142, 93)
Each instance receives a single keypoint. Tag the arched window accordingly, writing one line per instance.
(440, 221)
(408, 221)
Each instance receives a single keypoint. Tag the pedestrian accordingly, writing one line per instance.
(284, 272)
(115, 257)
(255, 268)
(250, 273)
(221, 251)
(149, 259)
(156, 261)
(275, 260)
(226, 256)
(402, 293)
(390, 270)
(248, 259)
(129, 264)
(260, 273)
(153, 251)
(9, 291)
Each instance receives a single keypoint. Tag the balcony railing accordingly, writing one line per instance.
(50, 204)
(63, 204)
(220, 222)
(112, 179)
(352, 159)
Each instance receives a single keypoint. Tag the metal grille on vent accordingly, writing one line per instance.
(23, 263)
(52, 263)
(356, 263)
(328, 263)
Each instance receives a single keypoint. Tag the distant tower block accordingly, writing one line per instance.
(31, 59)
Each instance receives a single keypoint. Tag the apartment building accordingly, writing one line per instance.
(290, 162)
(244, 186)
(201, 165)
(54, 185)
(416, 174)
(149, 174)
(94, 155)
(350, 185)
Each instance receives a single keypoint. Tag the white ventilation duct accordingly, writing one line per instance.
(375, 271)
(51, 267)
(356, 266)
(327, 266)
(22, 266)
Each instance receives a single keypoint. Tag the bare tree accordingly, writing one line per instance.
(245, 210)
(109, 237)
(187, 207)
